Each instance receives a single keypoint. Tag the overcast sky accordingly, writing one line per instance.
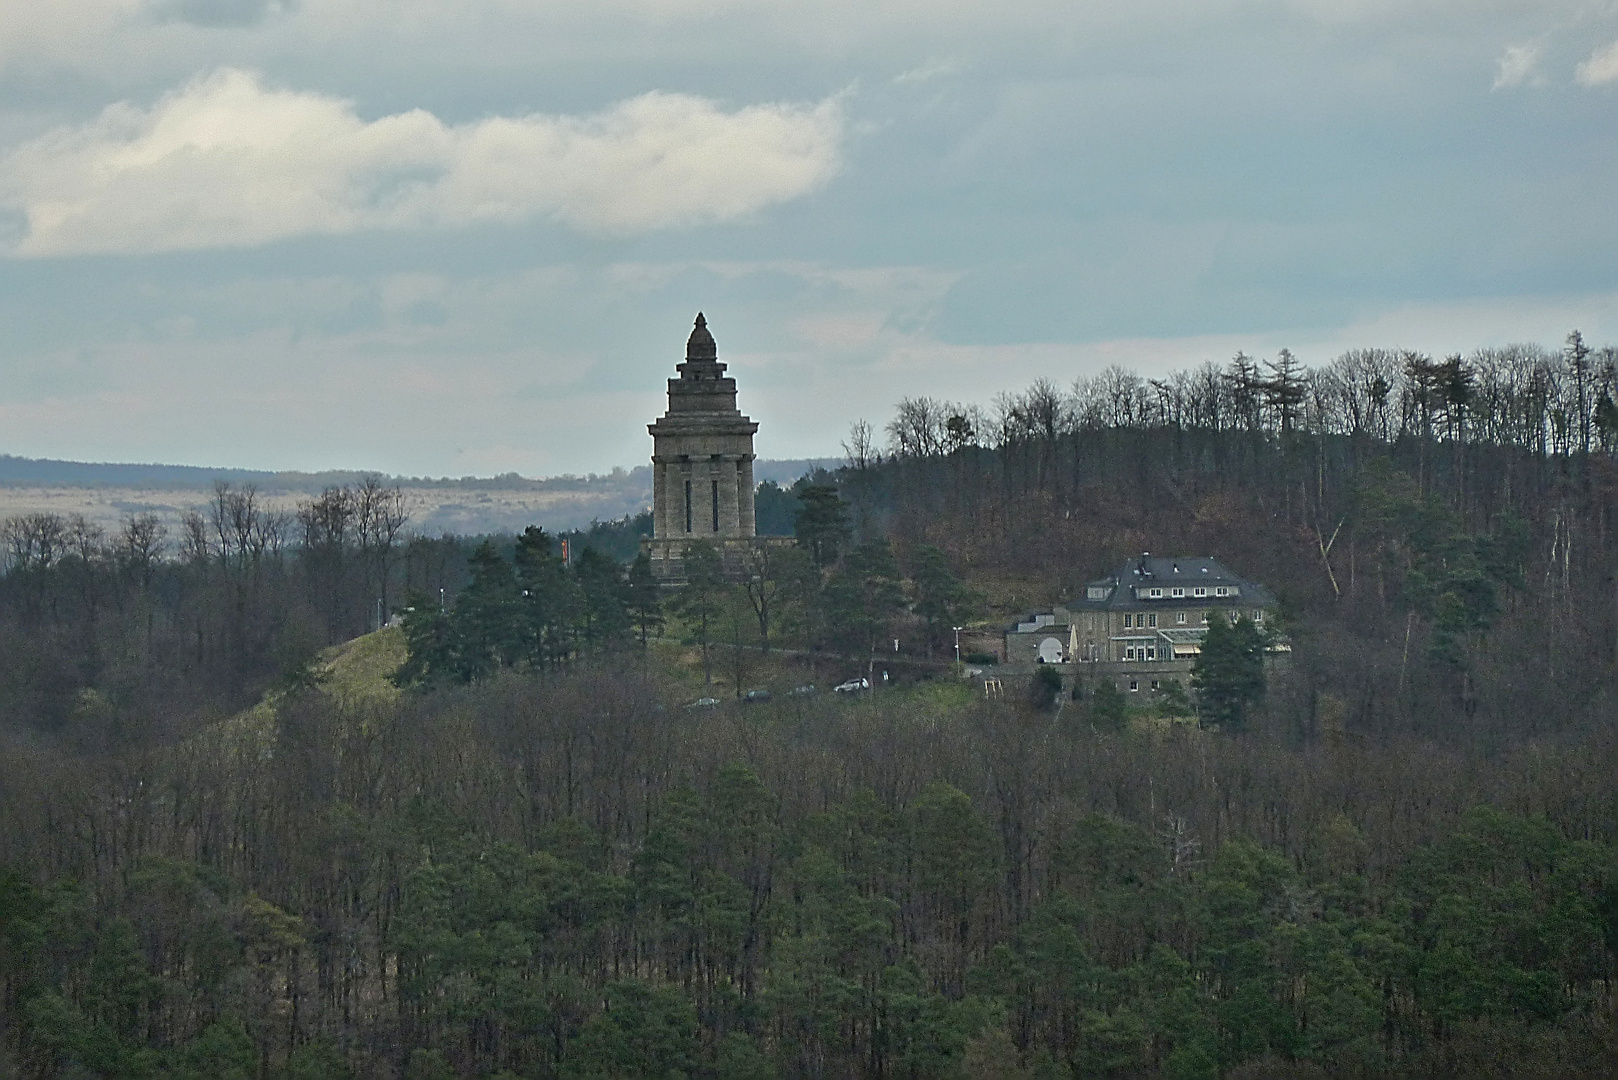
(453, 238)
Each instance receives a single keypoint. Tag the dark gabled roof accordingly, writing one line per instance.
(1184, 571)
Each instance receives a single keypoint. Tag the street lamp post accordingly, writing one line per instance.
(958, 630)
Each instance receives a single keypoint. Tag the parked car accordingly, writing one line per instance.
(753, 697)
(703, 703)
(852, 686)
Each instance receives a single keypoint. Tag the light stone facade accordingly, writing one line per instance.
(702, 464)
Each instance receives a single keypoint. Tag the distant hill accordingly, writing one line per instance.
(106, 493)
(44, 472)
(47, 472)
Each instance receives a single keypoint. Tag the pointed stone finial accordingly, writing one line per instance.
(701, 344)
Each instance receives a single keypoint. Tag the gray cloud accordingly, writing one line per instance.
(1601, 69)
(445, 250)
(219, 13)
(227, 163)
(1518, 65)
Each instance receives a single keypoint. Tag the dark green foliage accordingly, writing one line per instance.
(642, 600)
(1450, 577)
(775, 510)
(1107, 709)
(734, 937)
(534, 611)
(701, 601)
(430, 641)
(487, 619)
(427, 1064)
(1046, 687)
(821, 525)
(643, 1032)
(1228, 676)
(319, 1059)
(550, 599)
(1172, 700)
(604, 618)
(1507, 912)
(619, 540)
(941, 599)
(863, 596)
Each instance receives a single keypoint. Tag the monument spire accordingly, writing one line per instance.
(700, 346)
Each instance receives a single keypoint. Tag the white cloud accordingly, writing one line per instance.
(932, 69)
(1519, 65)
(1600, 69)
(226, 162)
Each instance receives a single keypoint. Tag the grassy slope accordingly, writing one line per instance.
(359, 670)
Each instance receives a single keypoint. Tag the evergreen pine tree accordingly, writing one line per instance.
(1228, 676)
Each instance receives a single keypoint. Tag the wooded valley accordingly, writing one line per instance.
(526, 855)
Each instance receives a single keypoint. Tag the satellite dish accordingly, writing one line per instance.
(1050, 651)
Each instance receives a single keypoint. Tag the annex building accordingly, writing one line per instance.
(1142, 625)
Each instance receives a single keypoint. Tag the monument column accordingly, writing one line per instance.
(744, 493)
(659, 498)
(724, 471)
(702, 460)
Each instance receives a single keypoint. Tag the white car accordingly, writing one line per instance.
(852, 686)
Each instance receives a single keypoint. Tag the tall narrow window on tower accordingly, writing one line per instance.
(716, 506)
(688, 506)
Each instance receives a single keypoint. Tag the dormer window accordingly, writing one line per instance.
(1178, 593)
(1200, 590)
(1157, 594)
(1219, 590)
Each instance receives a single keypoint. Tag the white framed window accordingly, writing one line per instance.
(1151, 620)
(1156, 593)
(1151, 652)
(1204, 618)
(1154, 686)
(1134, 686)
(1129, 652)
(1219, 590)
(1179, 618)
(1200, 590)
(1258, 615)
(1177, 592)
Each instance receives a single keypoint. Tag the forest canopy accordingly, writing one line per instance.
(537, 828)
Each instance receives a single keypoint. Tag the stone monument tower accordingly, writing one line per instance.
(702, 463)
